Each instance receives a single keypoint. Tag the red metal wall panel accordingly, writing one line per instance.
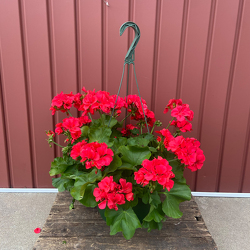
(194, 50)
(170, 28)
(37, 66)
(114, 46)
(191, 76)
(216, 91)
(14, 92)
(89, 42)
(235, 172)
(62, 34)
(144, 17)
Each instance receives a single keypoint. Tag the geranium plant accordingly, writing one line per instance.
(119, 167)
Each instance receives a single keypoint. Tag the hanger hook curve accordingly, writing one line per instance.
(129, 58)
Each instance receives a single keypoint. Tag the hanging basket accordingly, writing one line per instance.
(135, 178)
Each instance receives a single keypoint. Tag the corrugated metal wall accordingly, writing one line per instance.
(191, 49)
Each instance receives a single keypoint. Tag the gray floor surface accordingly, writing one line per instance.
(227, 219)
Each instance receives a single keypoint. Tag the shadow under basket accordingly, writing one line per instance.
(141, 210)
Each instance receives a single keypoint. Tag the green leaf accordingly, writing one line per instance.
(179, 193)
(117, 175)
(178, 170)
(106, 119)
(124, 221)
(135, 131)
(154, 199)
(152, 225)
(85, 130)
(121, 141)
(62, 184)
(127, 166)
(75, 192)
(149, 137)
(100, 134)
(88, 199)
(145, 198)
(59, 165)
(117, 162)
(82, 181)
(137, 141)
(134, 155)
(72, 172)
(155, 214)
(152, 149)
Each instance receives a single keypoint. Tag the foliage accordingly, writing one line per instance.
(117, 167)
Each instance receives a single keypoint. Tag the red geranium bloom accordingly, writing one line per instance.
(156, 170)
(112, 194)
(94, 154)
(172, 104)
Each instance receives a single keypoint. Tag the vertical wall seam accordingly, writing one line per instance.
(245, 155)
(77, 45)
(130, 18)
(6, 143)
(158, 17)
(205, 73)
(27, 92)
(228, 95)
(104, 46)
(131, 11)
(51, 59)
(182, 48)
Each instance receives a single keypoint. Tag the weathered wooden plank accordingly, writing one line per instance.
(83, 228)
(136, 243)
(81, 213)
(91, 228)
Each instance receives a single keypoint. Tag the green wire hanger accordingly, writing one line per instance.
(129, 59)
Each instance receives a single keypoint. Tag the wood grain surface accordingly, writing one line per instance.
(83, 228)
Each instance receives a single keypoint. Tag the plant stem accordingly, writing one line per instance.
(125, 117)
(90, 117)
(70, 113)
(173, 160)
(170, 123)
(141, 129)
(153, 129)
(72, 204)
(58, 144)
(101, 117)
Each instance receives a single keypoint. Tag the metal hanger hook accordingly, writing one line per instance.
(129, 58)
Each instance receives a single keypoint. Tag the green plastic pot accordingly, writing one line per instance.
(141, 210)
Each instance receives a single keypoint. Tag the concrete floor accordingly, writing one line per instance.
(227, 219)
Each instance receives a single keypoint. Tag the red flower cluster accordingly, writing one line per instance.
(112, 194)
(73, 125)
(62, 102)
(100, 100)
(188, 151)
(92, 101)
(182, 113)
(127, 131)
(155, 170)
(94, 154)
(168, 136)
(135, 108)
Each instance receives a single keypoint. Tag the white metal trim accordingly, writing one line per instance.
(28, 190)
(220, 194)
(54, 190)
